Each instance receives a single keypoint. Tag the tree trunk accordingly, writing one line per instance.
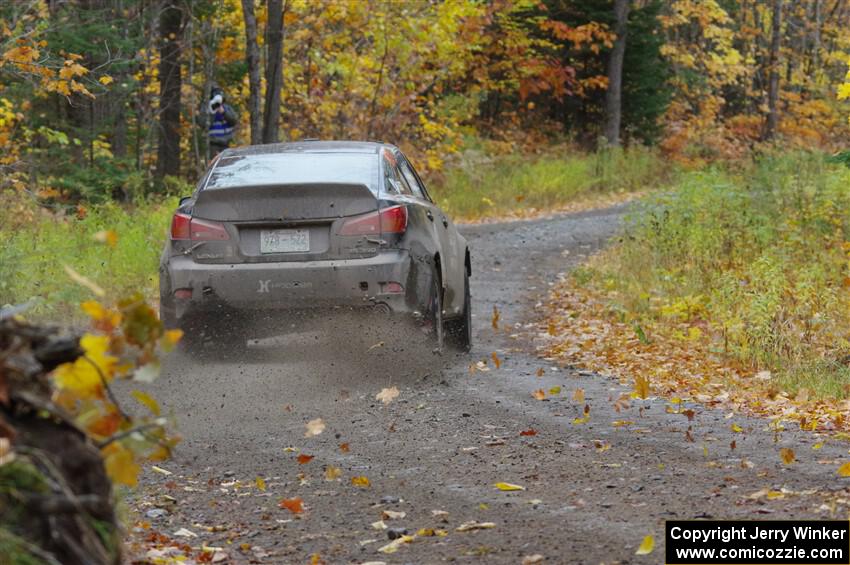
(274, 71)
(614, 95)
(252, 59)
(171, 30)
(772, 120)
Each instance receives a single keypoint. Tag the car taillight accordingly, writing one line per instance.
(389, 220)
(394, 220)
(203, 230)
(180, 226)
(184, 226)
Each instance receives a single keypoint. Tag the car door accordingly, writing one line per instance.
(446, 232)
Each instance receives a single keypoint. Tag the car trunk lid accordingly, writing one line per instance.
(284, 222)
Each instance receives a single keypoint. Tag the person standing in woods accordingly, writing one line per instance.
(222, 121)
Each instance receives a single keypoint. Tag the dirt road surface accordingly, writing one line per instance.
(452, 434)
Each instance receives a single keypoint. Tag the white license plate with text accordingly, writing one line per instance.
(284, 241)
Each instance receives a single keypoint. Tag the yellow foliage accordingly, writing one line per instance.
(86, 376)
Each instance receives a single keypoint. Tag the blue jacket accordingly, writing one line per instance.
(221, 126)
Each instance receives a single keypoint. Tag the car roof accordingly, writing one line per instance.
(309, 146)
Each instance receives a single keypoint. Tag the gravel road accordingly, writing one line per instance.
(451, 434)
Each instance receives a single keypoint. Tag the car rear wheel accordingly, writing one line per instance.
(435, 314)
(459, 331)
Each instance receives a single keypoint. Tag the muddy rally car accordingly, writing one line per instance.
(277, 236)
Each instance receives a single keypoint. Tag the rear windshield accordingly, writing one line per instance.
(295, 168)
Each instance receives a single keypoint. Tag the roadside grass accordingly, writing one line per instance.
(479, 186)
(744, 269)
(35, 246)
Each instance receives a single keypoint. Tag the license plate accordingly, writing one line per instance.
(284, 241)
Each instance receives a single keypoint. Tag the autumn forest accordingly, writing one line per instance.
(655, 195)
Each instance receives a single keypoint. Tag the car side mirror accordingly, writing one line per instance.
(184, 199)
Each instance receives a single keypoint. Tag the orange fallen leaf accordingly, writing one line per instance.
(540, 372)
(343, 447)
(304, 458)
(844, 470)
(361, 482)
(787, 455)
(539, 394)
(578, 395)
(496, 361)
(495, 320)
(531, 432)
(294, 505)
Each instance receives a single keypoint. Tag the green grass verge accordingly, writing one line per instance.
(478, 185)
(35, 246)
(758, 255)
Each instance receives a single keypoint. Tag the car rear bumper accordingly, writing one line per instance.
(297, 285)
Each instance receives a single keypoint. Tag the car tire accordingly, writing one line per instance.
(435, 312)
(459, 331)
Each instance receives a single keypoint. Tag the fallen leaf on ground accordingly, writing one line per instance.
(531, 432)
(304, 458)
(578, 395)
(495, 320)
(646, 546)
(532, 559)
(261, 484)
(379, 525)
(540, 372)
(393, 546)
(431, 532)
(314, 427)
(496, 361)
(108, 237)
(539, 394)
(294, 505)
(844, 470)
(787, 455)
(641, 387)
(343, 447)
(362, 482)
(736, 428)
(332, 473)
(393, 515)
(441, 515)
(387, 395)
(184, 533)
(473, 525)
(555, 390)
(379, 344)
(508, 486)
